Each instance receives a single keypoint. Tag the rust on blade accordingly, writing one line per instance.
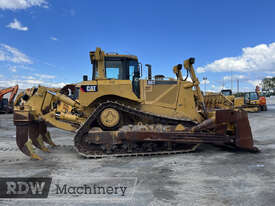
(239, 119)
(244, 138)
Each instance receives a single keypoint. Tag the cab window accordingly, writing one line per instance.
(246, 98)
(253, 96)
(113, 70)
(226, 92)
(118, 68)
(133, 69)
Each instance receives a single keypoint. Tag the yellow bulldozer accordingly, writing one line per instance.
(116, 113)
(223, 100)
(248, 101)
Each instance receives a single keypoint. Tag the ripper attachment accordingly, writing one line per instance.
(31, 133)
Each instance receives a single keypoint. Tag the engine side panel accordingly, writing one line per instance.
(92, 90)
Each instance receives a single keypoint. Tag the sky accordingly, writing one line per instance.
(47, 42)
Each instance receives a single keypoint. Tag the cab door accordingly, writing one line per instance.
(246, 98)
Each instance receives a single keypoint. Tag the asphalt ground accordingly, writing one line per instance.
(210, 176)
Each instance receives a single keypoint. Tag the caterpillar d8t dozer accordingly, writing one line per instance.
(248, 101)
(117, 113)
(223, 100)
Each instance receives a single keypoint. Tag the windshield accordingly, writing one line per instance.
(118, 68)
(253, 96)
(114, 69)
(226, 92)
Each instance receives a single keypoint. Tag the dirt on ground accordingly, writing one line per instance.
(210, 176)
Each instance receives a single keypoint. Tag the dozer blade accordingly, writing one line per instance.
(36, 137)
(24, 143)
(243, 134)
(45, 134)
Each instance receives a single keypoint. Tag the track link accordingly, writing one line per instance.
(81, 147)
(138, 154)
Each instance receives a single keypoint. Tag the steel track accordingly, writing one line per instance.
(83, 150)
(137, 154)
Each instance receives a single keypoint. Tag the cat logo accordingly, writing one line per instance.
(89, 88)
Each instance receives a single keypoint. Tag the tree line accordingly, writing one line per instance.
(268, 84)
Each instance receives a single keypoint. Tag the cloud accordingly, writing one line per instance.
(31, 81)
(45, 76)
(24, 67)
(1, 76)
(201, 70)
(258, 58)
(57, 85)
(28, 83)
(34, 81)
(255, 82)
(48, 64)
(10, 54)
(27, 77)
(53, 38)
(17, 25)
(205, 81)
(235, 77)
(12, 69)
(22, 4)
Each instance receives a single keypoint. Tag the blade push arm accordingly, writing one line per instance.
(188, 65)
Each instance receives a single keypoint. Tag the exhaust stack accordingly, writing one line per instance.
(149, 71)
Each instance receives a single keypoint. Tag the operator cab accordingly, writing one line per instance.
(250, 96)
(116, 67)
(226, 92)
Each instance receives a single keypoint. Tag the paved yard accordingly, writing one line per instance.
(210, 176)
